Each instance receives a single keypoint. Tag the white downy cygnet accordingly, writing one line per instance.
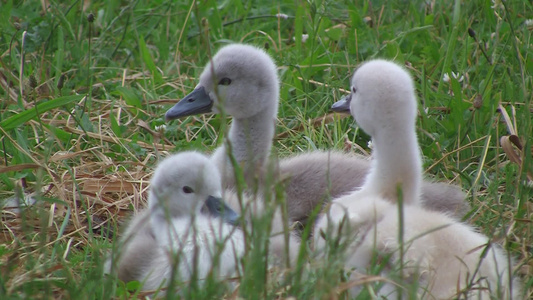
(242, 81)
(444, 256)
(186, 222)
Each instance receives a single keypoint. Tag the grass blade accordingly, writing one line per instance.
(23, 117)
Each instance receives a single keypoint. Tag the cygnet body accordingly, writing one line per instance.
(242, 81)
(443, 256)
(186, 222)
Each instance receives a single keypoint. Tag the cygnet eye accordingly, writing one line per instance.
(353, 89)
(187, 190)
(224, 81)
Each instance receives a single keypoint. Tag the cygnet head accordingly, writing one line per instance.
(384, 105)
(240, 79)
(382, 94)
(187, 184)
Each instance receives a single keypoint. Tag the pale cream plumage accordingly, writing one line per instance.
(440, 254)
(180, 221)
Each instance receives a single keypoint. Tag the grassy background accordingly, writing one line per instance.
(82, 99)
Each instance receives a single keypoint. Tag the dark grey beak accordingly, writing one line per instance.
(342, 105)
(196, 103)
(217, 208)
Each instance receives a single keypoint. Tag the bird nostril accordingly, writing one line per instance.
(190, 100)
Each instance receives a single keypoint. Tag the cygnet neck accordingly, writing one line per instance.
(396, 163)
(251, 138)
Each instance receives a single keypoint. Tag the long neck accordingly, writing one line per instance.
(251, 138)
(396, 164)
(251, 141)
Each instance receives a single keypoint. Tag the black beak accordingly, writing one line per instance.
(196, 103)
(217, 208)
(342, 105)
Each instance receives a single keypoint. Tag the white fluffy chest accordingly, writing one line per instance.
(202, 246)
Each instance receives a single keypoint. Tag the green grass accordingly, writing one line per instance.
(81, 101)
